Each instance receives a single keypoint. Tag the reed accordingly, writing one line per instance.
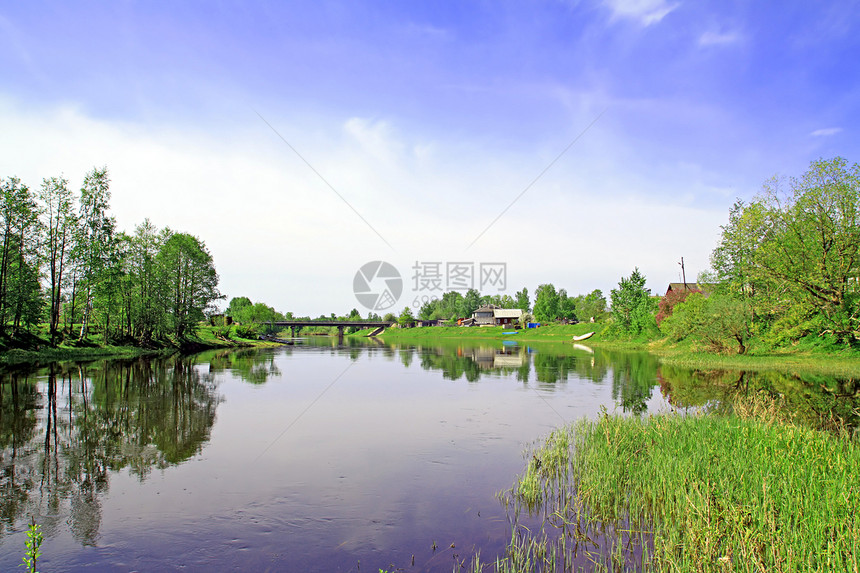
(751, 491)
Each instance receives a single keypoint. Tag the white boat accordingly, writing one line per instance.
(583, 336)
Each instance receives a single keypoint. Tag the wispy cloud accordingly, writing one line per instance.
(827, 131)
(647, 12)
(712, 38)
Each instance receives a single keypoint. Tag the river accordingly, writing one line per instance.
(313, 457)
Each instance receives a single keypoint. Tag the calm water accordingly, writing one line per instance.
(306, 458)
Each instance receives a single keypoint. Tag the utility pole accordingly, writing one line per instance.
(683, 273)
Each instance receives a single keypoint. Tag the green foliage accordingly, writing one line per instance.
(237, 306)
(590, 306)
(21, 298)
(522, 300)
(471, 302)
(719, 322)
(633, 309)
(143, 286)
(566, 305)
(546, 303)
(670, 300)
(750, 491)
(190, 282)
(405, 316)
(795, 249)
(248, 331)
(33, 543)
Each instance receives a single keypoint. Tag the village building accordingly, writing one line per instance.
(491, 315)
(705, 289)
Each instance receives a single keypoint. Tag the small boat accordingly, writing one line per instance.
(510, 332)
(583, 336)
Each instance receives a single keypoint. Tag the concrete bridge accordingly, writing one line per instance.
(340, 324)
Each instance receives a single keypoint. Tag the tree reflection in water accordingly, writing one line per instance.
(820, 401)
(65, 428)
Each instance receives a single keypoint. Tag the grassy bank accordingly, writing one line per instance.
(752, 491)
(552, 332)
(34, 349)
(791, 360)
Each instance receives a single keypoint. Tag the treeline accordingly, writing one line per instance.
(786, 271)
(63, 262)
(550, 304)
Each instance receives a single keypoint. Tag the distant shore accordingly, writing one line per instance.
(844, 363)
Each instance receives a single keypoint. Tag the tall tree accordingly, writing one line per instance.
(546, 303)
(522, 300)
(566, 305)
(471, 302)
(95, 241)
(148, 311)
(20, 291)
(59, 220)
(190, 281)
(632, 306)
(591, 306)
(795, 249)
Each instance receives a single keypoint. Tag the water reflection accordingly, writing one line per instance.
(821, 401)
(65, 428)
(462, 413)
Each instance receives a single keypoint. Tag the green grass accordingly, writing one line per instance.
(36, 348)
(552, 332)
(747, 492)
(836, 364)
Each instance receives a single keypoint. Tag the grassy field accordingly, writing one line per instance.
(751, 491)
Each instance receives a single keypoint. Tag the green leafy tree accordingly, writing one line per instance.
(60, 222)
(633, 309)
(20, 233)
(429, 310)
(546, 303)
(591, 306)
(190, 282)
(238, 308)
(94, 239)
(718, 322)
(471, 302)
(522, 300)
(147, 311)
(566, 305)
(795, 249)
(406, 316)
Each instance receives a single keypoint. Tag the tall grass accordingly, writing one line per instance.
(752, 491)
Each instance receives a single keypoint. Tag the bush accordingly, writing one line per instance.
(249, 331)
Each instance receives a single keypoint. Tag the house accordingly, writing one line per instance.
(491, 315)
(705, 289)
(484, 315)
(504, 316)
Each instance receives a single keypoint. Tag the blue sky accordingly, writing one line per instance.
(429, 119)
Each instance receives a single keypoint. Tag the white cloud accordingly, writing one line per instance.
(712, 38)
(647, 12)
(827, 131)
(278, 234)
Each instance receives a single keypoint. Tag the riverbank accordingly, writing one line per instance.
(793, 361)
(549, 333)
(37, 350)
(749, 491)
